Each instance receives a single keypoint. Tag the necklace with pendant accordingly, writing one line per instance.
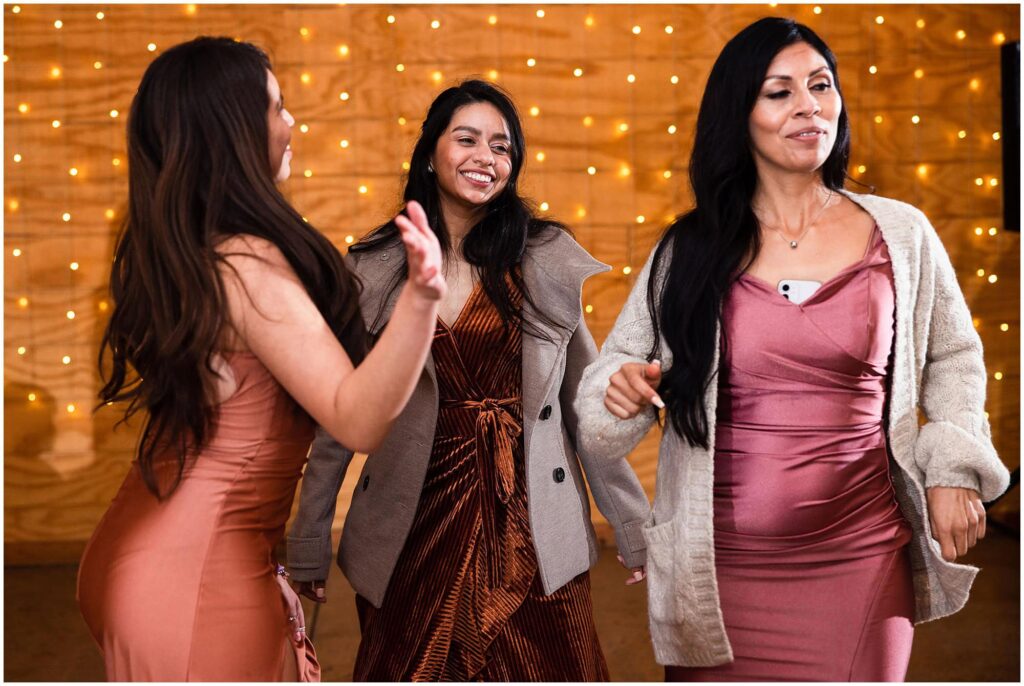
(794, 243)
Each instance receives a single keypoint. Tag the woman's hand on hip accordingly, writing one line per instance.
(633, 388)
(957, 518)
(423, 253)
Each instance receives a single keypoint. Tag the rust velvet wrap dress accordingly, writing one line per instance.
(810, 544)
(465, 601)
(184, 589)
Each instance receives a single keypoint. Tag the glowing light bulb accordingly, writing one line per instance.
(540, 14)
(307, 173)
(109, 214)
(861, 168)
(70, 314)
(401, 121)
(673, 79)
(399, 67)
(151, 47)
(920, 23)
(636, 30)
(343, 50)
(58, 24)
(435, 24)
(671, 129)
(343, 143)
(66, 216)
(581, 212)
(544, 207)
(534, 111)
(364, 190)
(915, 119)
(919, 73)
(588, 120)
(304, 32)
(114, 114)
(998, 376)
(922, 170)
(13, 206)
(977, 232)
(872, 69)
(995, 136)
(623, 127)
(73, 266)
(22, 301)
(993, 182)
(992, 278)
(55, 123)
(979, 181)
(66, 359)
(817, 9)
(493, 74)
(55, 73)
(1002, 327)
(588, 309)
(961, 134)
(71, 408)
(992, 231)
(306, 77)
(878, 119)
(879, 19)
(669, 29)
(16, 9)
(116, 161)
(961, 34)
(577, 72)
(492, 20)
(627, 270)
(624, 171)
(640, 219)
(100, 16)
(437, 76)
(32, 397)
(999, 38)
(16, 252)
(667, 173)
(530, 62)
(405, 166)
(190, 9)
(97, 65)
(589, 21)
(591, 170)
(349, 239)
(975, 84)
(343, 96)
(23, 107)
(391, 19)
(541, 156)
(22, 350)
(303, 128)
(631, 78)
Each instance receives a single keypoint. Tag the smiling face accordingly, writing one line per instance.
(794, 121)
(472, 160)
(279, 129)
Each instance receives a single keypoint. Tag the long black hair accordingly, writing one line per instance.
(198, 171)
(719, 238)
(496, 244)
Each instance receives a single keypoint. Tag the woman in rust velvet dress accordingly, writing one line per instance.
(469, 538)
(179, 580)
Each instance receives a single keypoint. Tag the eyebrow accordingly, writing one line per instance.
(477, 132)
(790, 78)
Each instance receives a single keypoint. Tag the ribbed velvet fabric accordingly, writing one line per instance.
(810, 544)
(465, 602)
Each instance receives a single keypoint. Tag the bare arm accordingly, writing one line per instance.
(274, 317)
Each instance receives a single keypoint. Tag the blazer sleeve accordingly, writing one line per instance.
(954, 447)
(616, 488)
(309, 539)
(601, 434)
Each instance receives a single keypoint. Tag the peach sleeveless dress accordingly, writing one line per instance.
(184, 589)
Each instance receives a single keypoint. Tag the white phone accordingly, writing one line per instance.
(797, 290)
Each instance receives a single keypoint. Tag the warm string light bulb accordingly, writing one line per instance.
(391, 19)
(534, 111)
(540, 14)
(303, 128)
(151, 47)
(671, 129)
(669, 29)
(879, 19)
(817, 9)
(55, 123)
(627, 270)
(544, 207)
(591, 170)
(588, 309)
(541, 156)
(492, 20)
(636, 30)
(363, 190)
(73, 266)
(343, 143)
(435, 24)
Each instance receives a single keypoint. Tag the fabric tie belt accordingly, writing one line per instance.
(497, 432)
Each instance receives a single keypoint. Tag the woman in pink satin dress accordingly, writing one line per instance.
(774, 304)
(236, 329)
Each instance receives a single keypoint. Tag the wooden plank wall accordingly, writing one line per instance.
(358, 80)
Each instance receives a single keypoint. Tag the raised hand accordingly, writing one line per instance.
(423, 253)
(633, 388)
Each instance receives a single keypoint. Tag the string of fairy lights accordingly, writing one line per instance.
(350, 144)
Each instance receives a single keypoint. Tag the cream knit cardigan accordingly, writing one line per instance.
(937, 368)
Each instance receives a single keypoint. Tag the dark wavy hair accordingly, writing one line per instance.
(496, 244)
(199, 171)
(719, 238)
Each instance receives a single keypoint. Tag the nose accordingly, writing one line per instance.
(484, 155)
(288, 117)
(808, 105)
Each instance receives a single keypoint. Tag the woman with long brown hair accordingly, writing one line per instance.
(236, 328)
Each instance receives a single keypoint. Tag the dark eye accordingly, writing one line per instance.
(777, 95)
(503, 149)
(822, 87)
(465, 140)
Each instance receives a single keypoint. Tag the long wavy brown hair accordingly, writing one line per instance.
(199, 171)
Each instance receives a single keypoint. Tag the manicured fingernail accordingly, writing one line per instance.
(657, 362)
(658, 402)
(638, 575)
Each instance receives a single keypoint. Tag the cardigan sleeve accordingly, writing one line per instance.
(954, 447)
(602, 434)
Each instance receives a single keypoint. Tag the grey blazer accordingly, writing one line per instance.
(385, 500)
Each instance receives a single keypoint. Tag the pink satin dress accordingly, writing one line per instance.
(184, 589)
(810, 545)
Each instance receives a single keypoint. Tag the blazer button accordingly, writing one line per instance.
(366, 482)
(559, 475)
(546, 412)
